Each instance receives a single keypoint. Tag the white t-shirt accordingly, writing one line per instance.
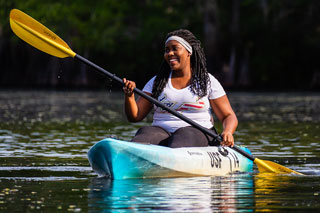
(185, 102)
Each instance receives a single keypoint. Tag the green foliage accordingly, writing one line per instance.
(281, 37)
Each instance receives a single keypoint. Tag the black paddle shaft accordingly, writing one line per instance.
(159, 104)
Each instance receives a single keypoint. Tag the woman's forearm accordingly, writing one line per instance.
(230, 123)
(131, 108)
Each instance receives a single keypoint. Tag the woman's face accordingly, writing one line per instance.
(176, 56)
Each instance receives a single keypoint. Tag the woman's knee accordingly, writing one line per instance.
(150, 135)
(188, 137)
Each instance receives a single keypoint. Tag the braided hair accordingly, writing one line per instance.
(199, 74)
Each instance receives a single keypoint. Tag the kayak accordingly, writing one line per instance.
(119, 159)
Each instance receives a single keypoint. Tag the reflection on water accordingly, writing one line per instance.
(286, 192)
(235, 193)
(201, 194)
(45, 136)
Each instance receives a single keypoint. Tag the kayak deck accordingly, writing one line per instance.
(121, 160)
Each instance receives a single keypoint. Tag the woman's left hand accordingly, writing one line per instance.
(228, 139)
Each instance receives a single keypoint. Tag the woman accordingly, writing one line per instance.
(184, 84)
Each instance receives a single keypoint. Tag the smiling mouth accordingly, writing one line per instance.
(173, 59)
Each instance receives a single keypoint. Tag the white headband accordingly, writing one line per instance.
(183, 42)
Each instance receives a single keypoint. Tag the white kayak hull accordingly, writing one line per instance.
(122, 160)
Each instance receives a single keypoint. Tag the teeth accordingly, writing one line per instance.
(174, 59)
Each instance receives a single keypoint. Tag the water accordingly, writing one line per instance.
(45, 135)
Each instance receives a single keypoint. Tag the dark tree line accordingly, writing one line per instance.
(250, 44)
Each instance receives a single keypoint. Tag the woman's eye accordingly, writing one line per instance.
(173, 48)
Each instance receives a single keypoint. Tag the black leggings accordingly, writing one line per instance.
(182, 137)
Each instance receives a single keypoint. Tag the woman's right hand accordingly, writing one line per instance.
(136, 110)
(128, 87)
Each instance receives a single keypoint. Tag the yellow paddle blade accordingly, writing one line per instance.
(37, 35)
(271, 167)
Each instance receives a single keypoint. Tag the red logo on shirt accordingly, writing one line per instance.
(191, 106)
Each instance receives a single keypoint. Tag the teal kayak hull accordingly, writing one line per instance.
(122, 160)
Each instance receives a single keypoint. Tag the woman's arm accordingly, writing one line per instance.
(223, 110)
(135, 110)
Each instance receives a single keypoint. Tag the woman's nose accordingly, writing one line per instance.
(170, 52)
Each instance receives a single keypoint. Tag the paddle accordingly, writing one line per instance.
(37, 35)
